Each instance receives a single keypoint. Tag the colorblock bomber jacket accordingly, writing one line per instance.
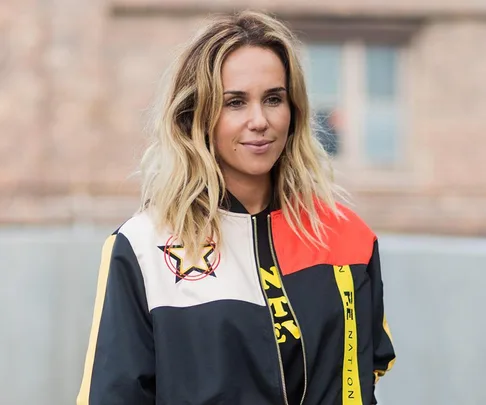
(268, 320)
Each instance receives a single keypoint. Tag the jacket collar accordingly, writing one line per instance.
(232, 204)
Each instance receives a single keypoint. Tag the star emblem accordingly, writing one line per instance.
(184, 268)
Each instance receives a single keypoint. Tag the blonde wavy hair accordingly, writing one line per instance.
(182, 183)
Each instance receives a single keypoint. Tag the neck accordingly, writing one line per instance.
(253, 193)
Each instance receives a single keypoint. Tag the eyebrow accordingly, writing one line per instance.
(244, 93)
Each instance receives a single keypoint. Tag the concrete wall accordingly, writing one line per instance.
(434, 301)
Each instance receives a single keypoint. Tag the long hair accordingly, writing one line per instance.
(183, 185)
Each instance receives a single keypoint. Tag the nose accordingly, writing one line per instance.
(257, 121)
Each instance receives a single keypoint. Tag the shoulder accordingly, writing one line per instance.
(344, 220)
(140, 222)
(347, 233)
(349, 220)
(347, 237)
(139, 234)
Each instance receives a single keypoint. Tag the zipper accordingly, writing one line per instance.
(257, 259)
(274, 257)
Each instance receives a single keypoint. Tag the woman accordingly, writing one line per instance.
(241, 280)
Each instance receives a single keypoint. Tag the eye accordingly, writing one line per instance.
(274, 100)
(235, 103)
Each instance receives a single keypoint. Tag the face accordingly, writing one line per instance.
(253, 127)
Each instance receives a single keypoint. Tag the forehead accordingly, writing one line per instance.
(249, 67)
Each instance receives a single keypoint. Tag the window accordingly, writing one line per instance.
(382, 115)
(355, 96)
(324, 81)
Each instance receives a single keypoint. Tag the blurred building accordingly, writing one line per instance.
(399, 85)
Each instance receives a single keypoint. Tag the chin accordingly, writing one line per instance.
(258, 171)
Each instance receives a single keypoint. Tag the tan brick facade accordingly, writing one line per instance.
(76, 79)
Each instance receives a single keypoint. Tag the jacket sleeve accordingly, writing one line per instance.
(383, 352)
(120, 361)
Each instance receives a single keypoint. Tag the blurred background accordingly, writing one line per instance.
(399, 85)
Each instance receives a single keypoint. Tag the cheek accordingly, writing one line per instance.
(280, 120)
(285, 120)
(225, 135)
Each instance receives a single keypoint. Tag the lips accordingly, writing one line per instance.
(258, 147)
(257, 143)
